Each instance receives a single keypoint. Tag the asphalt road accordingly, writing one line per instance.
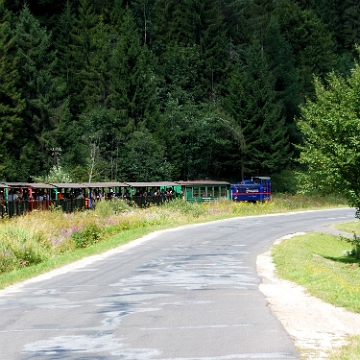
(189, 293)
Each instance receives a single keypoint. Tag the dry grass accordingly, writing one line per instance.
(43, 235)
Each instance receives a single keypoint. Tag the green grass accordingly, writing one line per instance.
(66, 258)
(41, 241)
(350, 227)
(317, 262)
(348, 352)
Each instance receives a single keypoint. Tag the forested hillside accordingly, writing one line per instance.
(147, 90)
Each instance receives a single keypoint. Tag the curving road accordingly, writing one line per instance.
(188, 293)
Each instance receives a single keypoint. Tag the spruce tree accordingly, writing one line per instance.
(63, 42)
(286, 75)
(133, 80)
(11, 103)
(180, 68)
(235, 104)
(252, 103)
(90, 54)
(40, 90)
(312, 43)
(351, 24)
(214, 48)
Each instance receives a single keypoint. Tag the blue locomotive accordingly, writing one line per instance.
(255, 189)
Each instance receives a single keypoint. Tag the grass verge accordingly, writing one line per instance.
(42, 241)
(348, 352)
(350, 227)
(25, 273)
(319, 262)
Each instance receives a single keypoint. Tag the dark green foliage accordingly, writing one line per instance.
(331, 126)
(351, 24)
(11, 103)
(210, 87)
(252, 103)
(64, 40)
(90, 51)
(312, 43)
(133, 79)
(144, 159)
(287, 81)
(89, 236)
(40, 89)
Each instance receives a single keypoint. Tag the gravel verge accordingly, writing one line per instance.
(316, 327)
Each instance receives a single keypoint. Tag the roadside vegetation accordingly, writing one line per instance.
(327, 267)
(40, 241)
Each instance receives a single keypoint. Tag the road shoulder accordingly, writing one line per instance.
(316, 327)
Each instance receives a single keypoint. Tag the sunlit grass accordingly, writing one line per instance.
(43, 240)
(352, 227)
(316, 261)
(348, 352)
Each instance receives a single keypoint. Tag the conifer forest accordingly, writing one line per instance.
(150, 90)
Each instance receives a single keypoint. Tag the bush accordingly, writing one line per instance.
(89, 236)
(187, 208)
(286, 182)
(20, 248)
(107, 208)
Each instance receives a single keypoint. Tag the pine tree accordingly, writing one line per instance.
(180, 67)
(97, 71)
(312, 43)
(164, 17)
(142, 11)
(90, 53)
(133, 80)
(235, 104)
(214, 47)
(265, 148)
(63, 42)
(11, 104)
(257, 14)
(351, 24)
(286, 75)
(40, 91)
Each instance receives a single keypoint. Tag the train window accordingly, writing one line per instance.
(216, 191)
(223, 191)
(210, 191)
(203, 191)
(196, 191)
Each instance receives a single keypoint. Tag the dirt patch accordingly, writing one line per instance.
(315, 326)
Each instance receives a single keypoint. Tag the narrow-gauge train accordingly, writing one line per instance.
(256, 189)
(18, 198)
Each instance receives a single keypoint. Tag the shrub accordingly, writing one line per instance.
(107, 208)
(89, 236)
(20, 247)
(187, 208)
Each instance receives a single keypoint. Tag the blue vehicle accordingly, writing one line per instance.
(255, 189)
